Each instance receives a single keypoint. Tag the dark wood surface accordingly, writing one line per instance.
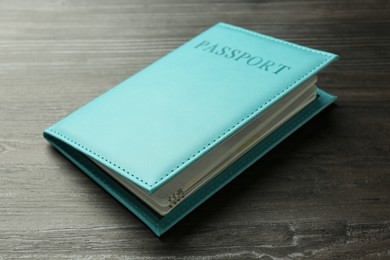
(323, 193)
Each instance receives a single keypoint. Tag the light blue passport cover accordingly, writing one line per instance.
(152, 126)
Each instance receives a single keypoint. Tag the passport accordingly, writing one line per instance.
(169, 137)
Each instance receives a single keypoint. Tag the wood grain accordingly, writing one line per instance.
(323, 193)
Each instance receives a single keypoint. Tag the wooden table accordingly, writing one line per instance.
(323, 193)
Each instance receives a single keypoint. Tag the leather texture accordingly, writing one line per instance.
(159, 121)
(177, 109)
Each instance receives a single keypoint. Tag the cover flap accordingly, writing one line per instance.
(162, 119)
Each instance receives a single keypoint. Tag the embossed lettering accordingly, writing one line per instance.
(266, 65)
(233, 54)
(204, 43)
(254, 61)
(243, 57)
(223, 50)
(211, 48)
(282, 67)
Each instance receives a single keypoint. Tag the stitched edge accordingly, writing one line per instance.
(97, 155)
(299, 120)
(259, 35)
(249, 116)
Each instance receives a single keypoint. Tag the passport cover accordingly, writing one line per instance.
(152, 126)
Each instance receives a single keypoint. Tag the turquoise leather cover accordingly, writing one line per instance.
(164, 118)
